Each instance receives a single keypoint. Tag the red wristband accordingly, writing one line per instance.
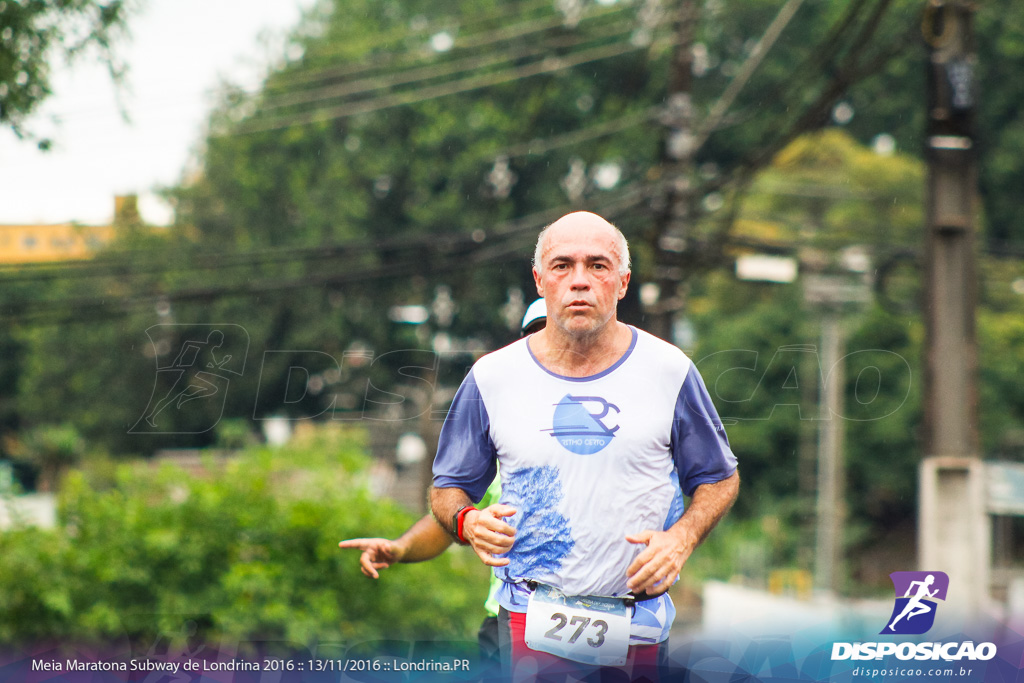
(460, 518)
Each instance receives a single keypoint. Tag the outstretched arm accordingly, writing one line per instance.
(424, 540)
(653, 570)
(485, 530)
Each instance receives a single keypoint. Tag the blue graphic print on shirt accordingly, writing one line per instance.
(579, 430)
(543, 536)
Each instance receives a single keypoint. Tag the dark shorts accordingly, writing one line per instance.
(487, 640)
(523, 664)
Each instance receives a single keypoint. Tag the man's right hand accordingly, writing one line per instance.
(378, 553)
(489, 534)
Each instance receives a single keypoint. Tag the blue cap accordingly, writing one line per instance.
(536, 311)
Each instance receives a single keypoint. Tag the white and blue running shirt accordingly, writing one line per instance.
(585, 461)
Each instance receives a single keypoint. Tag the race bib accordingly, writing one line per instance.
(584, 629)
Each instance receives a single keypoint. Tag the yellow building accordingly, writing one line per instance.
(60, 241)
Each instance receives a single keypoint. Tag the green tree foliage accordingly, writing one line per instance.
(883, 403)
(1000, 340)
(759, 343)
(1000, 44)
(826, 52)
(36, 32)
(435, 139)
(759, 353)
(245, 549)
(823, 193)
(741, 329)
(405, 146)
(325, 155)
(893, 103)
(51, 449)
(826, 191)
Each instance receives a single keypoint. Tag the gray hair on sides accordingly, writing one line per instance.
(621, 246)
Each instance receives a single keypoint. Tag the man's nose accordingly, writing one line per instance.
(579, 277)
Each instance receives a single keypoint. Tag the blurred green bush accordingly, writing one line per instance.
(242, 549)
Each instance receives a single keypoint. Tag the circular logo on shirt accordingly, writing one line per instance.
(580, 424)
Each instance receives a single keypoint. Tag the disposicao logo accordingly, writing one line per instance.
(913, 613)
(916, 595)
(580, 430)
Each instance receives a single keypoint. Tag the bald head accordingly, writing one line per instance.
(584, 221)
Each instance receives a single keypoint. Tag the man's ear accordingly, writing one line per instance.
(537, 281)
(625, 284)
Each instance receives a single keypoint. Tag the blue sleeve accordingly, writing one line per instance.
(699, 444)
(466, 458)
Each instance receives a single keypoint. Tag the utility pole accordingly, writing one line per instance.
(831, 295)
(831, 505)
(670, 235)
(952, 478)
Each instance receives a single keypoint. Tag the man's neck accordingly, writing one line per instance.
(571, 356)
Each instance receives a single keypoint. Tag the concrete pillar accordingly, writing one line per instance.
(955, 531)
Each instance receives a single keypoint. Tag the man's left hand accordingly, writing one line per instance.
(654, 569)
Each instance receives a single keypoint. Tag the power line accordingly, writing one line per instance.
(507, 240)
(505, 33)
(299, 74)
(587, 134)
(543, 66)
(119, 262)
(510, 239)
(431, 72)
(108, 267)
(757, 55)
(141, 262)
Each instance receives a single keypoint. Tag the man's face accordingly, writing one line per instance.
(579, 276)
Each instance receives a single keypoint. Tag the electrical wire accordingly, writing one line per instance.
(512, 239)
(298, 74)
(422, 74)
(136, 262)
(543, 66)
(757, 55)
(498, 245)
(592, 132)
(505, 33)
(140, 262)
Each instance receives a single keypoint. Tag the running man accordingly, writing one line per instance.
(194, 371)
(587, 419)
(915, 606)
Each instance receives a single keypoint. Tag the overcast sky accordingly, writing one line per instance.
(179, 51)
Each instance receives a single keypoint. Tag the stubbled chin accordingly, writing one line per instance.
(580, 325)
(580, 316)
